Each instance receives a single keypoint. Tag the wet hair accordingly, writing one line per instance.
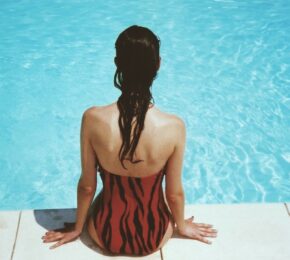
(137, 61)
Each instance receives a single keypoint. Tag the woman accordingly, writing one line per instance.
(133, 145)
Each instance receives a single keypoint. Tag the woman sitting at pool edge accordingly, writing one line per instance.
(133, 145)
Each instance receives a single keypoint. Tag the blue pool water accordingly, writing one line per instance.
(225, 70)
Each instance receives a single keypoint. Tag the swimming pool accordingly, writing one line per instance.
(225, 70)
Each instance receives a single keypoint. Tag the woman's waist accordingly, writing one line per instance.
(133, 205)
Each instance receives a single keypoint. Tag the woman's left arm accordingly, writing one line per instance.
(88, 182)
(86, 187)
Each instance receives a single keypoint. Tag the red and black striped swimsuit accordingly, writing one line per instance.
(131, 216)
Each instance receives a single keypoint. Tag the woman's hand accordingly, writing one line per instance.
(198, 231)
(63, 235)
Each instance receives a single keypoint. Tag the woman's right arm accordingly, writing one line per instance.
(174, 191)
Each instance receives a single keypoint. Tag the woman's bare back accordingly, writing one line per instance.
(155, 146)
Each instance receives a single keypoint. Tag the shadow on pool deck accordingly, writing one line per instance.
(57, 219)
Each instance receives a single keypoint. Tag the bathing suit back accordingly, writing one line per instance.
(131, 216)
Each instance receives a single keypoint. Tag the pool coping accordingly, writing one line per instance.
(21, 229)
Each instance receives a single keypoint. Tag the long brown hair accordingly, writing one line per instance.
(137, 61)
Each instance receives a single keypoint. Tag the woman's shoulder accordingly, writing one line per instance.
(103, 113)
(170, 119)
(98, 112)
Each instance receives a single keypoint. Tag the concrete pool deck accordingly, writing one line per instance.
(245, 231)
